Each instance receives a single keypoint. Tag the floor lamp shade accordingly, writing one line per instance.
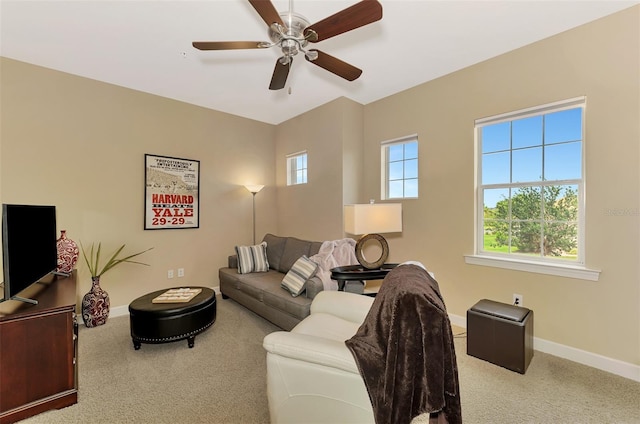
(370, 220)
(254, 188)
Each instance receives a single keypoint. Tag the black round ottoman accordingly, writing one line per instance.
(169, 322)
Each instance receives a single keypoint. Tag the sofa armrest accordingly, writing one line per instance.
(307, 348)
(232, 261)
(312, 287)
(348, 306)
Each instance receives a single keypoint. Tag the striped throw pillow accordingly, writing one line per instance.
(252, 258)
(303, 269)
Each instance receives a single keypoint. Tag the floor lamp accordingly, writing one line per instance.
(254, 189)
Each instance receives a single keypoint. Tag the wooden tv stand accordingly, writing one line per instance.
(38, 351)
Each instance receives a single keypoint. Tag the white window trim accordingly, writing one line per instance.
(383, 165)
(560, 270)
(534, 111)
(576, 269)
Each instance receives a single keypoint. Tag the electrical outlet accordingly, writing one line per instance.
(170, 273)
(517, 299)
(180, 272)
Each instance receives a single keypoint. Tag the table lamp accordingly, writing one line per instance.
(371, 220)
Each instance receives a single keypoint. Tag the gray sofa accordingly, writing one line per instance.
(261, 291)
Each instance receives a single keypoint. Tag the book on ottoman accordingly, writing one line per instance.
(181, 295)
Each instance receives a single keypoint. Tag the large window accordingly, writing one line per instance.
(531, 191)
(400, 168)
(297, 168)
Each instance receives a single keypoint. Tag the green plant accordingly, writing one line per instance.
(93, 260)
(536, 220)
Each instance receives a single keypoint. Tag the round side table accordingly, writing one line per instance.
(359, 273)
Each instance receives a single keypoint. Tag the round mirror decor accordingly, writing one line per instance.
(383, 255)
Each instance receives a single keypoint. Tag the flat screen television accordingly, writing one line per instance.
(29, 251)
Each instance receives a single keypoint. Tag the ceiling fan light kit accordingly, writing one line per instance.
(291, 32)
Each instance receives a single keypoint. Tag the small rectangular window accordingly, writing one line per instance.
(400, 168)
(297, 168)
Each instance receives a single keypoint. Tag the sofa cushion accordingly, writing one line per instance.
(303, 269)
(255, 284)
(252, 258)
(274, 297)
(275, 247)
(293, 249)
(315, 248)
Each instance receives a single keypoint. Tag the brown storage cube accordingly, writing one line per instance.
(501, 334)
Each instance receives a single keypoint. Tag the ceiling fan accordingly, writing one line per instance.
(292, 33)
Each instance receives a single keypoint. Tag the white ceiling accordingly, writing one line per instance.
(146, 46)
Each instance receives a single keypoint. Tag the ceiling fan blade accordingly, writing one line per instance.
(267, 11)
(280, 74)
(360, 14)
(227, 45)
(336, 66)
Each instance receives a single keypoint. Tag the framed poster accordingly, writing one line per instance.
(171, 193)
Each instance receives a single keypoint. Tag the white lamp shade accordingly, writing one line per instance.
(373, 218)
(254, 188)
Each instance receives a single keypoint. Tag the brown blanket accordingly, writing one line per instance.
(404, 351)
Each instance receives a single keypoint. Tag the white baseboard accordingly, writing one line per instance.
(119, 311)
(614, 366)
(458, 320)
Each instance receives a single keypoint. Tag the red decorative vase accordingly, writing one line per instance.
(67, 253)
(95, 305)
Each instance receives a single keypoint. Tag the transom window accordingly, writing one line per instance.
(400, 168)
(531, 191)
(297, 168)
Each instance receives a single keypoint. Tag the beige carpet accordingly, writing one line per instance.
(222, 380)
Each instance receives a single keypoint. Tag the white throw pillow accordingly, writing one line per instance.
(252, 258)
(303, 269)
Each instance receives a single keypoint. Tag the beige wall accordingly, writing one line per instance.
(352, 151)
(599, 60)
(80, 144)
(332, 136)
